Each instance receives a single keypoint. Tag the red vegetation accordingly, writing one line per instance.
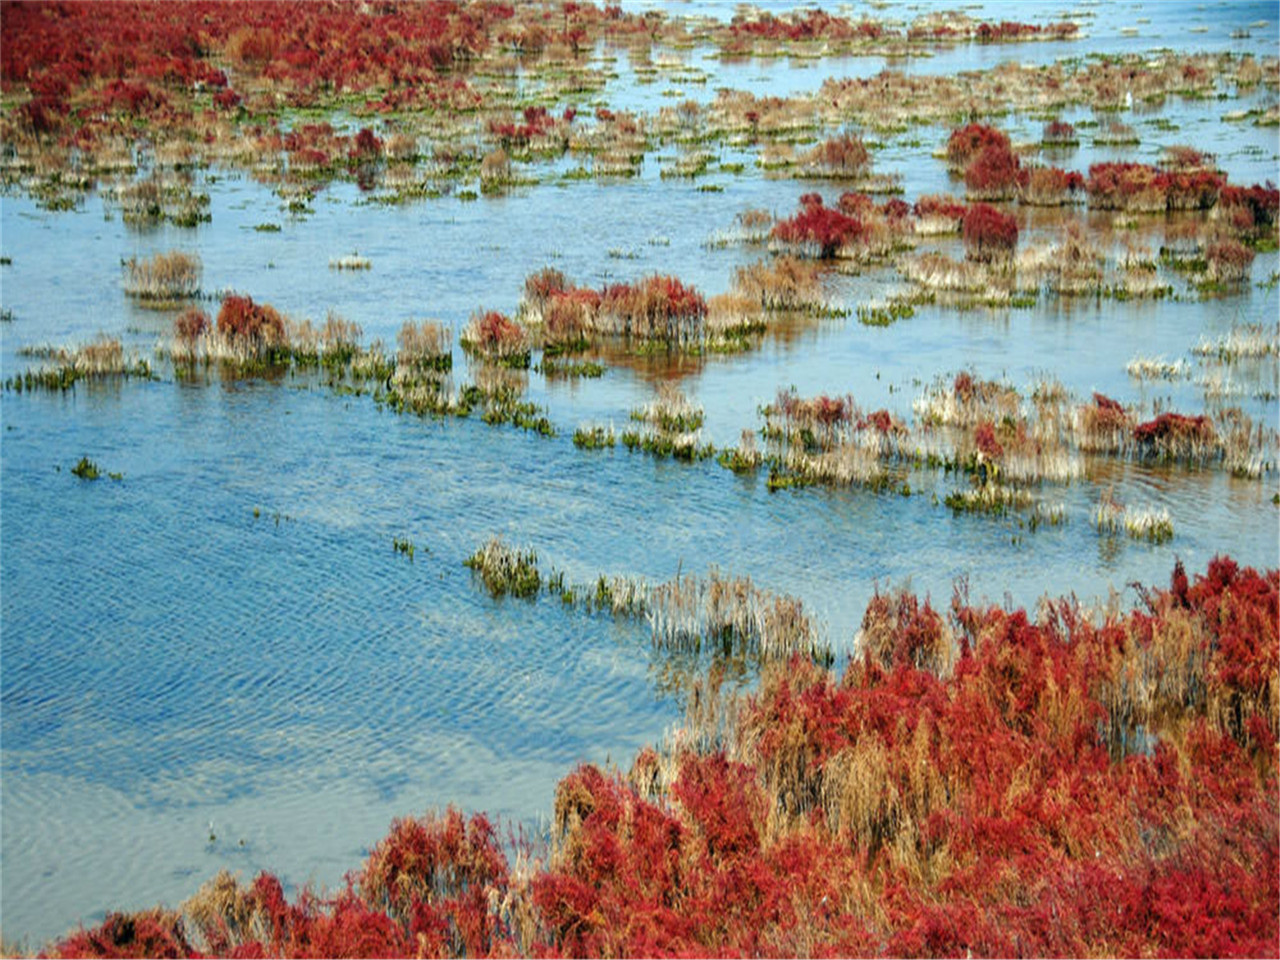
(967, 142)
(821, 227)
(982, 783)
(1139, 186)
(994, 173)
(241, 319)
(494, 332)
(844, 156)
(984, 438)
(1011, 30)
(1262, 203)
(1175, 434)
(191, 324)
(1228, 261)
(1058, 132)
(988, 233)
(806, 25)
(655, 307)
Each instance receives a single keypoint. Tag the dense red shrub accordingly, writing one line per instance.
(242, 319)
(988, 233)
(150, 933)
(190, 324)
(1263, 203)
(968, 141)
(1175, 434)
(994, 173)
(984, 438)
(824, 228)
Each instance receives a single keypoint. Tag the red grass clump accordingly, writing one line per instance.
(984, 438)
(1228, 261)
(823, 228)
(495, 334)
(241, 319)
(191, 324)
(1176, 435)
(968, 141)
(1142, 187)
(1058, 132)
(994, 173)
(988, 233)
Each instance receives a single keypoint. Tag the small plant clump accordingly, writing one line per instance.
(164, 278)
(496, 337)
(506, 570)
(86, 469)
(988, 233)
(594, 437)
(672, 427)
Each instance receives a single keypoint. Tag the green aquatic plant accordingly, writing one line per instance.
(86, 469)
(506, 570)
(403, 546)
(594, 437)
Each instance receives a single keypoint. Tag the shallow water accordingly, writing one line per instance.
(220, 661)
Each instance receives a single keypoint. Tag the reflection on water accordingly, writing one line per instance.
(224, 644)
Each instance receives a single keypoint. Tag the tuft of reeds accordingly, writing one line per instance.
(1157, 368)
(350, 261)
(783, 283)
(164, 278)
(594, 437)
(505, 569)
(424, 346)
(732, 617)
(1241, 341)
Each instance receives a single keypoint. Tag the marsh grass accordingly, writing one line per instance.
(163, 279)
(506, 570)
(594, 437)
(424, 346)
(100, 360)
(350, 261)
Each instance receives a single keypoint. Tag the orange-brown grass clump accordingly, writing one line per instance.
(494, 336)
(164, 278)
(783, 283)
(982, 782)
(656, 308)
(1050, 187)
(425, 346)
(844, 157)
